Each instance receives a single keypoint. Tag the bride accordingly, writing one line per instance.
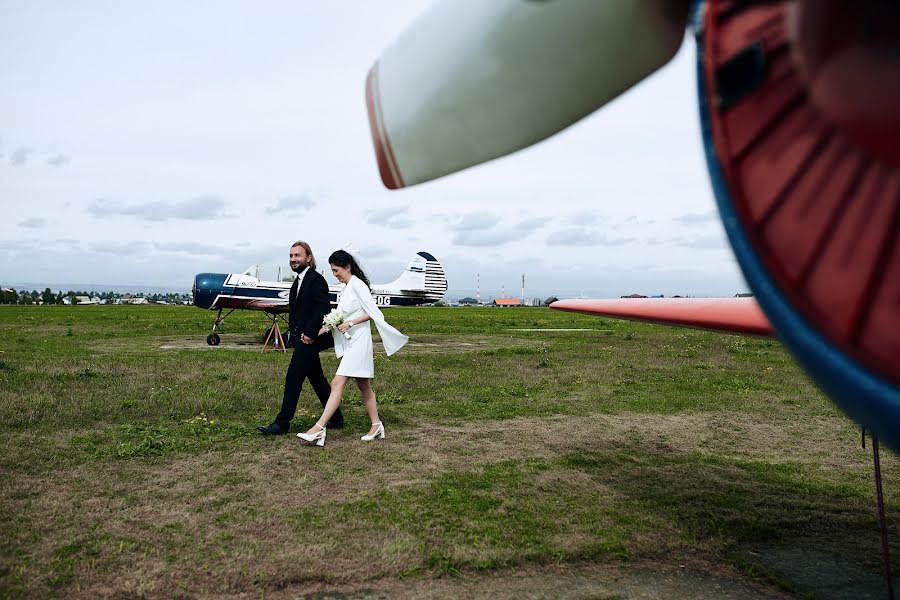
(356, 352)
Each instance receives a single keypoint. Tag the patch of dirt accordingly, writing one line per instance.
(412, 456)
(568, 582)
(826, 574)
(560, 329)
(235, 343)
(416, 345)
(424, 344)
(267, 478)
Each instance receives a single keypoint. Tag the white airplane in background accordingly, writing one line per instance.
(422, 282)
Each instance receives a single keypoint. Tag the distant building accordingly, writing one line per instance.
(634, 296)
(469, 302)
(506, 302)
(131, 299)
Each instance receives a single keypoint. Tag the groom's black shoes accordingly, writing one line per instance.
(273, 429)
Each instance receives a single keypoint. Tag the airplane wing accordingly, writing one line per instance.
(732, 315)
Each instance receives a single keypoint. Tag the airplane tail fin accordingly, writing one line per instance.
(423, 275)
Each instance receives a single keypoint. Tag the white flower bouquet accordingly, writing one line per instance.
(333, 319)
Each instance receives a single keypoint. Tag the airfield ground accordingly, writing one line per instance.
(614, 460)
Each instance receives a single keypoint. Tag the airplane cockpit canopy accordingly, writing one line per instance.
(270, 272)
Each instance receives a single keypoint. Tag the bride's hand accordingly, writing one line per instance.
(344, 327)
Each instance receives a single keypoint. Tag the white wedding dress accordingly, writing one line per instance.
(356, 353)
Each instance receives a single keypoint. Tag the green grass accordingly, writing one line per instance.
(131, 465)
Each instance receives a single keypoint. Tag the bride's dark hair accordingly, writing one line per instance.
(342, 258)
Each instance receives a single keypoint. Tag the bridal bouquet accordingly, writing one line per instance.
(333, 319)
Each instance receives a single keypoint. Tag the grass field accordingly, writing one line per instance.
(131, 466)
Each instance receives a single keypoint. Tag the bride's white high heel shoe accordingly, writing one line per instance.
(379, 433)
(317, 437)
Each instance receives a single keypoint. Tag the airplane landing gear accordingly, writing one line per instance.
(273, 333)
(213, 338)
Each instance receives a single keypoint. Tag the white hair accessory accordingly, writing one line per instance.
(353, 251)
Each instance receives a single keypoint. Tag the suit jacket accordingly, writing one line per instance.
(311, 305)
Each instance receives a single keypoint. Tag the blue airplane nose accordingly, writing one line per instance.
(208, 287)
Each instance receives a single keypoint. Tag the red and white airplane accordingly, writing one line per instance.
(800, 106)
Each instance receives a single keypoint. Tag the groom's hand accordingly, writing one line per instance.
(305, 339)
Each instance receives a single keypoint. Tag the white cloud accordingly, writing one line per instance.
(708, 241)
(20, 156)
(291, 204)
(472, 221)
(190, 248)
(483, 238)
(121, 249)
(59, 160)
(479, 229)
(201, 208)
(393, 217)
(695, 220)
(586, 217)
(375, 252)
(585, 236)
(531, 224)
(33, 223)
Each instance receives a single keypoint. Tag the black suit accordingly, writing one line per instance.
(308, 306)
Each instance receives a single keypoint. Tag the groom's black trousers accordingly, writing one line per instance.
(305, 364)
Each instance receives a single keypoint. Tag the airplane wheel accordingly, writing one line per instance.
(213, 339)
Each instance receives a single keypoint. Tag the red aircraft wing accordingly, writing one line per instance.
(734, 315)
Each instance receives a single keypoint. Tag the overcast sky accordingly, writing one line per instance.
(142, 143)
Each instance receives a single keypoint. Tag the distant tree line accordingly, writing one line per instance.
(11, 296)
(48, 296)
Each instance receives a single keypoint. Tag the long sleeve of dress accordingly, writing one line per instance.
(391, 337)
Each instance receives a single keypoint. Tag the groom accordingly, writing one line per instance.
(309, 303)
